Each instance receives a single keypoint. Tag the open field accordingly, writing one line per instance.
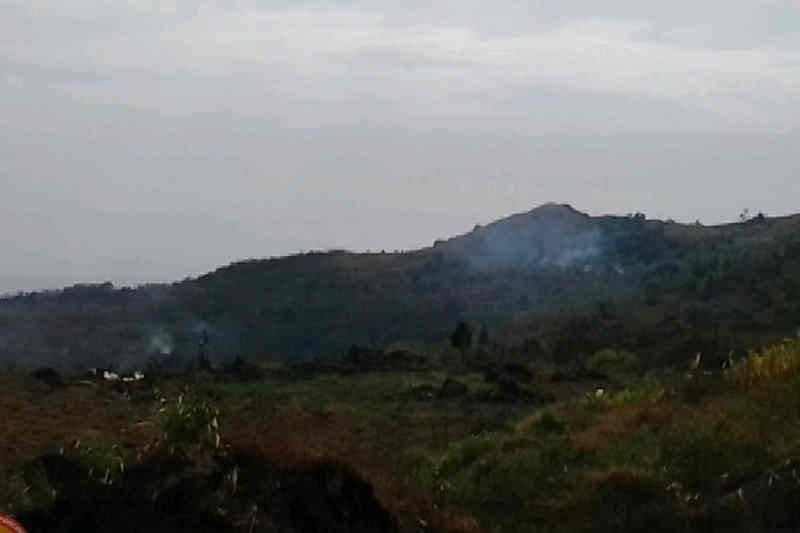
(630, 452)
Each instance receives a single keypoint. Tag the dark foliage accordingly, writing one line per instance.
(462, 336)
(551, 283)
(169, 495)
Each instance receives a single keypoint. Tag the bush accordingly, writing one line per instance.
(698, 455)
(189, 423)
(466, 452)
(697, 386)
(548, 423)
(462, 336)
(630, 501)
(524, 476)
(104, 462)
(614, 361)
(501, 478)
(37, 491)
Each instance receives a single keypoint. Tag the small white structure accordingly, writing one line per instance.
(137, 376)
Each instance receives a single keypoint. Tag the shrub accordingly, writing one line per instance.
(614, 361)
(498, 477)
(38, 492)
(698, 385)
(644, 392)
(462, 336)
(629, 448)
(189, 423)
(629, 501)
(697, 454)
(462, 454)
(104, 462)
(548, 423)
(525, 476)
(36, 486)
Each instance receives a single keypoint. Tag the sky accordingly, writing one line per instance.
(152, 140)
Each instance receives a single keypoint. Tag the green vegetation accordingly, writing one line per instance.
(775, 364)
(614, 361)
(188, 423)
(553, 283)
(642, 454)
(627, 390)
(629, 446)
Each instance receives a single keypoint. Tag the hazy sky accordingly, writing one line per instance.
(156, 139)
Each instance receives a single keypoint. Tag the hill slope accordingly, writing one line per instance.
(552, 282)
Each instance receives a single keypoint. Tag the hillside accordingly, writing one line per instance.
(551, 371)
(549, 283)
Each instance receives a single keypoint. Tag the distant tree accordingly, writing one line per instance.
(483, 336)
(744, 215)
(462, 336)
(203, 362)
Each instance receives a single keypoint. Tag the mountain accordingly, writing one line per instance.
(552, 282)
(548, 235)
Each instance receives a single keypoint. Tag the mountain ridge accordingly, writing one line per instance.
(545, 262)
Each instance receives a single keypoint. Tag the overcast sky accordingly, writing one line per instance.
(153, 140)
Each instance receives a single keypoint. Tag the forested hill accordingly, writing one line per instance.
(552, 282)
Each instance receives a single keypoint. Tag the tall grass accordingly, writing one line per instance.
(774, 364)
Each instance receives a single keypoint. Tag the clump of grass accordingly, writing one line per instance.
(697, 454)
(548, 424)
(777, 363)
(585, 409)
(103, 461)
(643, 392)
(637, 448)
(464, 453)
(624, 499)
(435, 473)
(30, 488)
(697, 386)
(614, 361)
(502, 478)
(37, 491)
(189, 423)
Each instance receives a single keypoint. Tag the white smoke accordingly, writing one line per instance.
(161, 343)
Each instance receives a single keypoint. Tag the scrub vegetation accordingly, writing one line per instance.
(644, 376)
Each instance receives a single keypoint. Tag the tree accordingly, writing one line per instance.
(483, 336)
(462, 336)
(744, 216)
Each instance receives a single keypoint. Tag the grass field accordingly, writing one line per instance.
(644, 453)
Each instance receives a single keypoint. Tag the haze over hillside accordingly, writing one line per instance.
(532, 277)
